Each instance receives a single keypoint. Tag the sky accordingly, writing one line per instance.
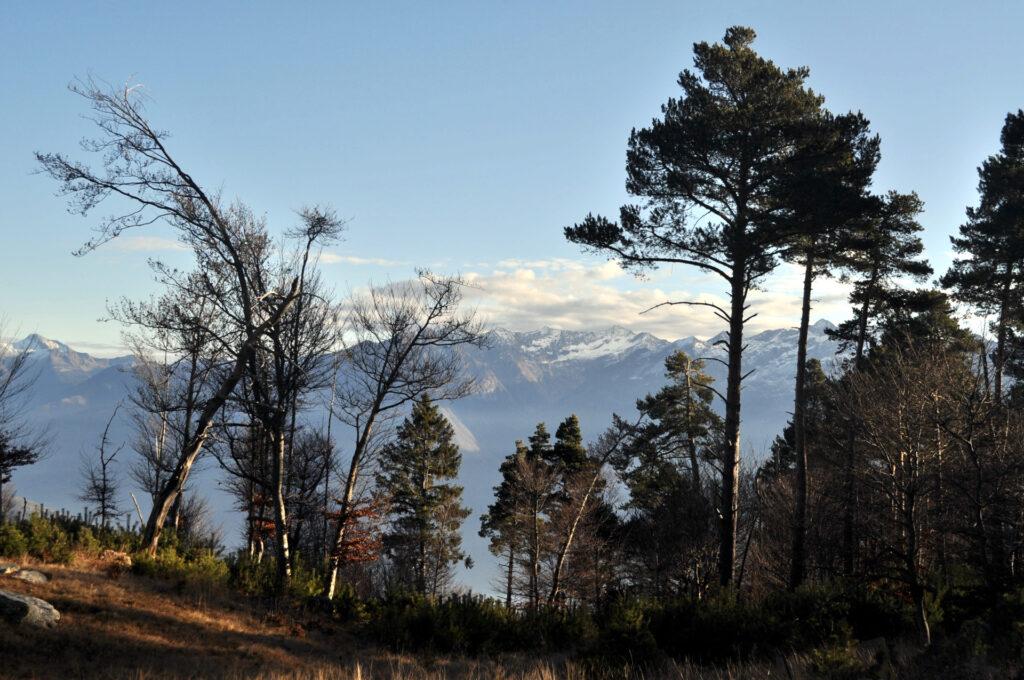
(463, 136)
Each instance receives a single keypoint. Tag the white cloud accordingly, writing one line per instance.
(525, 295)
(328, 257)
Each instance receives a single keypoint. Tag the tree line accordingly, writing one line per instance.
(899, 468)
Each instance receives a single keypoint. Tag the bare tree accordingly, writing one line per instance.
(100, 485)
(138, 170)
(402, 342)
(21, 444)
(292, 363)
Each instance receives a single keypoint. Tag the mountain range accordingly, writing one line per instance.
(522, 378)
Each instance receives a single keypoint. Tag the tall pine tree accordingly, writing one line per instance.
(708, 171)
(426, 512)
(991, 274)
(825, 193)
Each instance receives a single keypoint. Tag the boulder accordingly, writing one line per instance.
(30, 576)
(26, 610)
(8, 568)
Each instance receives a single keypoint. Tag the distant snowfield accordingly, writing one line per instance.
(522, 378)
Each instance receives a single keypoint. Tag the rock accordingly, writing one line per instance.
(117, 562)
(30, 576)
(31, 611)
(8, 568)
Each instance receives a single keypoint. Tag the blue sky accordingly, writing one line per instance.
(463, 135)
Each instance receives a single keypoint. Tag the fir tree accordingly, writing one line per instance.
(423, 539)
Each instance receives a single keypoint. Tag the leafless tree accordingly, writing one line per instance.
(21, 443)
(139, 172)
(100, 484)
(401, 344)
(292, 362)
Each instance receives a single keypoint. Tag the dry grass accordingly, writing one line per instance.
(144, 629)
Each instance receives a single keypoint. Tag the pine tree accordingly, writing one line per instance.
(990, 277)
(661, 466)
(883, 249)
(826, 192)
(568, 453)
(502, 523)
(423, 539)
(716, 155)
(537, 481)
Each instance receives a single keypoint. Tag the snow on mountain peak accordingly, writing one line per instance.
(36, 341)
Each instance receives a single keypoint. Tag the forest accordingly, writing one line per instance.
(882, 535)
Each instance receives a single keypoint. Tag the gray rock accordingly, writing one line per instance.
(31, 576)
(26, 610)
(8, 568)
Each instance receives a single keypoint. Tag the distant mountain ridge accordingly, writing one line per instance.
(522, 378)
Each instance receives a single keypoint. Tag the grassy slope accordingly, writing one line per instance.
(140, 628)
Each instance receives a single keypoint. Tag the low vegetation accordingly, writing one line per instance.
(183, 613)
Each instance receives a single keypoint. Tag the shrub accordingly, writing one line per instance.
(87, 542)
(47, 540)
(474, 625)
(625, 633)
(12, 541)
(836, 662)
(251, 577)
(205, 570)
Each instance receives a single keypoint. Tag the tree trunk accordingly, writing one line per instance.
(535, 557)
(172, 489)
(731, 454)
(849, 473)
(798, 566)
(284, 570)
(331, 576)
(691, 443)
(510, 574)
(999, 359)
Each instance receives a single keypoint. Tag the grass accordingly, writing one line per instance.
(149, 628)
(153, 629)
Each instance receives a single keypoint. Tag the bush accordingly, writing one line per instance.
(626, 634)
(250, 577)
(836, 662)
(205, 570)
(48, 540)
(87, 542)
(12, 542)
(474, 625)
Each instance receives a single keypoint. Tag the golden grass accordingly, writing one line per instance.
(145, 629)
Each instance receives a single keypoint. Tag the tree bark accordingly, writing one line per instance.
(1000, 356)
(510, 574)
(172, 489)
(849, 482)
(284, 571)
(798, 566)
(731, 453)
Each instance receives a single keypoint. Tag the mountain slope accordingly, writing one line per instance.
(522, 378)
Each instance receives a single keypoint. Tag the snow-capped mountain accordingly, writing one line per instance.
(522, 378)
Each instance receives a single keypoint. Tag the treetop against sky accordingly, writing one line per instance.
(462, 137)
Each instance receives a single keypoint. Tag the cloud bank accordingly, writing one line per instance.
(525, 295)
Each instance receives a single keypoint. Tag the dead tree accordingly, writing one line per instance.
(100, 485)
